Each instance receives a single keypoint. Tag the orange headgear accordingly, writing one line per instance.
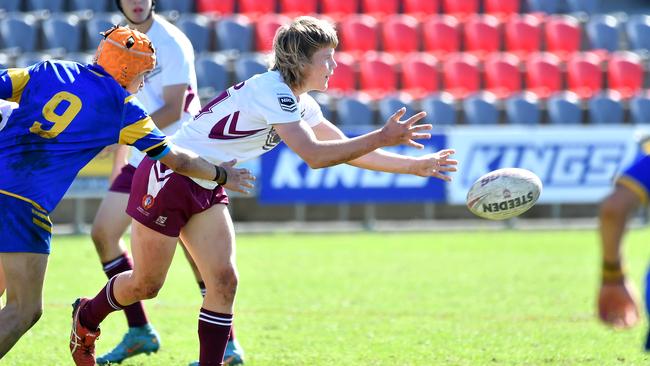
(125, 53)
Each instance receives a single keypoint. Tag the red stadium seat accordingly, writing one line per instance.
(298, 6)
(482, 34)
(219, 7)
(441, 35)
(421, 7)
(400, 33)
(523, 34)
(256, 6)
(265, 29)
(461, 74)
(625, 73)
(419, 74)
(501, 8)
(359, 33)
(543, 74)
(562, 35)
(584, 74)
(344, 79)
(461, 8)
(502, 75)
(379, 7)
(378, 76)
(339, 8)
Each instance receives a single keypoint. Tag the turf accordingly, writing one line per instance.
(474, 298)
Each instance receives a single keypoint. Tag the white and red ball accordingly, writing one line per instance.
(504, 193)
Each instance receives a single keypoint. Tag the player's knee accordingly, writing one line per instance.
(226, 280)
(148, 289)
(613, 208)
(28, 316)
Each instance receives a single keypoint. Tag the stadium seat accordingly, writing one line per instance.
(378, 74)
(419, 74)
(562, 34)
(640, 108)
(211, 74)
(460, 8)
(544, 6)
(54, 6)
(19, 31)
(421, 8)
(234, 33)
(400, 34)
(606, 108)
(62, 31)
(299, 6)
(502, 74)
(359, 33)
(181, 6)
(29, 58)
(625, 73)
(482, 34)
(380, 8)
(97, 6)
(265, 28)
(481, 109)
(99, 23)
(564, 109)
(198, 29)
(354, 110)
(543, 74)
(325, 102)
(388, 105)
(344, 79)
(638, 32)
(501, 8)
(523, 109)
(339, 8)
(257, 7)
(441, 35)
(10, 5)
(584, 74)
(587, 6)
(523, 34)
(216, 7)
(603, 32)
(461, 74)
(249, 65)
(440, 108)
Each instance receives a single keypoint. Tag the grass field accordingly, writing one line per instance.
(475, 298)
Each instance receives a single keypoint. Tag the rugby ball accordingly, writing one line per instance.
(504, 193)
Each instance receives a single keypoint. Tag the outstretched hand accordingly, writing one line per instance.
(618, 305)
(239, 179)
(396, 132)
(436, 165)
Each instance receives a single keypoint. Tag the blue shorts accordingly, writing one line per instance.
(24, 226)
(637, 178)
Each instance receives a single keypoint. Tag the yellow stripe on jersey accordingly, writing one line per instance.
(129, 98)
(42, 225)
(645, 147)
(156, 145)
(19, 78)
(634, 186)
(36, 205)
(96, 73)
(133, 132)
(42, 216)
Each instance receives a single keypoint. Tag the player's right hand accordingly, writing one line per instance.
(396, 132)
(618, 305)
(239, 179)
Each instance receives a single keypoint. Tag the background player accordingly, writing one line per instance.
(242, 123)
(67, 113)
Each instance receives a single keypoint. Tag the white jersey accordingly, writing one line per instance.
(238, 124)
(174, 65)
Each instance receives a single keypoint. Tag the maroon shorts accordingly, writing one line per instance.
(165, 201)
(122, 183)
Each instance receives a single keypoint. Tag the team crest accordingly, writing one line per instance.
(147, 201)
(287, 103)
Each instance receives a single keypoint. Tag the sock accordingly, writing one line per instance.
(231, 336)
(135, 314)
(202, 288)
(214, 329)
(98, 308)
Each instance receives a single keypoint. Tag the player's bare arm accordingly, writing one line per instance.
(172, 109)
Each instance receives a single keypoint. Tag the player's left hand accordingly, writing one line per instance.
(435, 165)
(618, 305)
(239, 179)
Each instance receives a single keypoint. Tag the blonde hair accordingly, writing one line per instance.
(295, 44)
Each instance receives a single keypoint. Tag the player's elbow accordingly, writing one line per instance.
(316, 163)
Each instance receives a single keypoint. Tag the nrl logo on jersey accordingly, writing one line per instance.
(287, 103)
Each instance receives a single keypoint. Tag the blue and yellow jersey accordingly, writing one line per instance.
(67, 113)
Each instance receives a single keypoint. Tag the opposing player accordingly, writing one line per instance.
(617, 297)
(241, 123)
(169, 96)
(67, 113)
